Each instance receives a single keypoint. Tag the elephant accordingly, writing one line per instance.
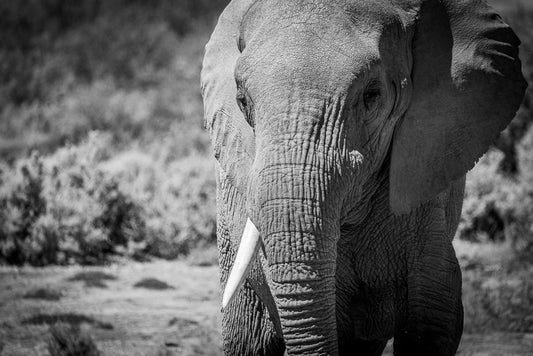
(342, 132)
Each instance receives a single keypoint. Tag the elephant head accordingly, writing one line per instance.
(308, 101)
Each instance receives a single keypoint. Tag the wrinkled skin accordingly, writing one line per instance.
(343, 131)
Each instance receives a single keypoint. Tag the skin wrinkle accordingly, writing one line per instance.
(256, 326)
(305, 78)
(329, 137)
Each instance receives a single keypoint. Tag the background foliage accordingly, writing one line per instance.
(103, 154)
(101, 139)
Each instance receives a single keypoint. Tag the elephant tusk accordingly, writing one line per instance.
(246, 254)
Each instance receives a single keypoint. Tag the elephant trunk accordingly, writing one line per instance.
(298, 217)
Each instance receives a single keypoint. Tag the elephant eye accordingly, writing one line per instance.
(245, 108)
(371, 96)
(240, 44)
(241, 101)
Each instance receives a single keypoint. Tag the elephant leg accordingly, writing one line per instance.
(433, 327)
(349, 308)
(431, 341)
(247, 327)
(434, 320)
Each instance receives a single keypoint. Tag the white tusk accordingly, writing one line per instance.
(246, 254)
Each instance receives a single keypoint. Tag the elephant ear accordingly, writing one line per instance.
(232, 138)
(467, 86)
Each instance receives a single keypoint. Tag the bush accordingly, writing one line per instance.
(130, 70)
(87, 38)
(85, 203)
(65, 208)
(70, 340)
(178, 199)
(127, 67)
(498, 301)
(21, 204)
(499, 207)
(46, 293)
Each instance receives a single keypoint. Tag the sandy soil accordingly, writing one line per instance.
(128, 320)
(123, 319)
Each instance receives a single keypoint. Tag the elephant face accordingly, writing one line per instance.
(323, 91)
(306, 101)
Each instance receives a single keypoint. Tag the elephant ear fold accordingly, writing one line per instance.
(467, 86)
(232, 138)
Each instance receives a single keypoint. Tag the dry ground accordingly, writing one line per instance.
(123, 319)
(178, 314)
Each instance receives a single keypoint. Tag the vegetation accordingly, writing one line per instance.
(81, 204)
(103, 154)
(101, 141)
(71, 341)
(496, 243)
(499, 207)
(127, 67)
(46, 293)
(93, 278)
(152, 283)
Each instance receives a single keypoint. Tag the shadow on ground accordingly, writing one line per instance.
(93, 278)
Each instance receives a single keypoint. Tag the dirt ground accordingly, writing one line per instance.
(159, 308)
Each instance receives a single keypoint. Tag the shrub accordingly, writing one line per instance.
(499, 207)
(57, 38)
(88, 210)
(62, 207)
(21, 204)
(178, 200)
(70, 340)
(152, 283)
(498, 301)
(127, 67)
(47, 293)
(93, 278)
(85, 203)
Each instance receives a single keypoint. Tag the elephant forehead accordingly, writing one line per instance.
(329, 19)
(300, 23)
(292, 66)
(309, 40)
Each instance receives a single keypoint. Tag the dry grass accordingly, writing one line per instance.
(122, 320)
(497, 288)
(73, 319)
(152, 283)
(71, 341)
(93, 278)
(45, 293)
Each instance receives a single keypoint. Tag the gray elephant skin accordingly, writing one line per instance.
(343, 130)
